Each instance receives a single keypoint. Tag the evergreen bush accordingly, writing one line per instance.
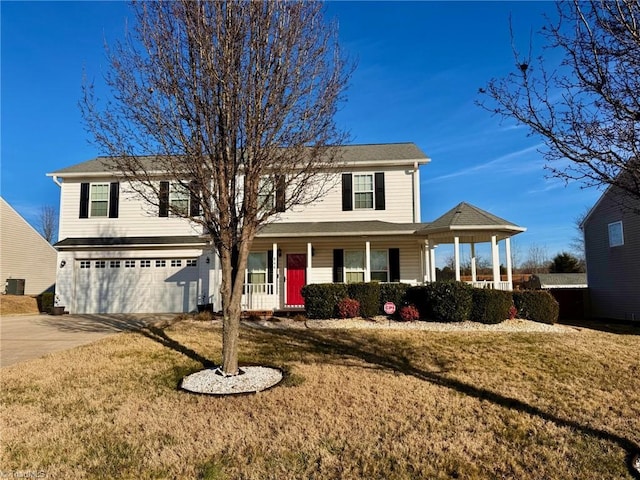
(321, 299)
(394, 293)
(537, 305)
(368, 294)
(490, 306)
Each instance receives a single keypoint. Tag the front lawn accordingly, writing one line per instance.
(355, 404)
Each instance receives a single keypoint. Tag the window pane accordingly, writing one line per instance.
(100, 192)
(363, 183)
(354, 260)
(363, 200)
(355, 277)
(379, 260)
(379, 277)
(615, 234)
(257, 261)
(179, 198)
(257, 277)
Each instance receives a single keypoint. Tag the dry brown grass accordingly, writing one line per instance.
(356, 404)
(18, 304)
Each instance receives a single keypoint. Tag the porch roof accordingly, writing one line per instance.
(338, 229)
(469, 223)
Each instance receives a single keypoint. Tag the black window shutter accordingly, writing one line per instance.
(394, 264)
(270, 266)
(338, 266)
(84, 200)
(164, 199)
(280, 193)
(114, 199)
(194, 201)
(347, 195)
(379, 188)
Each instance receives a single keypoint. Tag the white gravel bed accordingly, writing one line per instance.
(212, 382)
(383, 323)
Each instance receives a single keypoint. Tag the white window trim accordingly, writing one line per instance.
(173, 193)
(609, 228)
(386, 253)
(91, 185)
(372, 191)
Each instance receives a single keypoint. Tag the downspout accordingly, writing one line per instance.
(416, 193)
(56, 181)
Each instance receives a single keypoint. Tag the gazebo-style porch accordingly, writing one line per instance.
(467, 224)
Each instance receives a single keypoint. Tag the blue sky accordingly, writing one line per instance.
(420, 65)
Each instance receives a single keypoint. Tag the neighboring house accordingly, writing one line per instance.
(119, 254)
(548, 281)
(612, 249)
(24, 254)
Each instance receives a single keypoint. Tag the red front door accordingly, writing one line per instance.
(296, 277)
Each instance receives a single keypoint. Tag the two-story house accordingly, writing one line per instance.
(118, 254)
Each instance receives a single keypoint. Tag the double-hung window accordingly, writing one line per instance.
(257, 268)
(354, 266)
(266, 197)
(179, 199)
(363, 191)
(99, 199)
(379, 265)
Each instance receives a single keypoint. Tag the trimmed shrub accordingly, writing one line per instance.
(45, 302)
(490, 306)
(537, 305)
(348, 308)
(451, 301)
(442, 301)
(392, 292)
(321, 299)
(368, 294)
(408, 313)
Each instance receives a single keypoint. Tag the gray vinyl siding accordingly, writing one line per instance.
(24, 253)
(613, 272)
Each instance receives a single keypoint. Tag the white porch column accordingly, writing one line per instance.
(426, 262)
(309, 261)
(367, 261)
(474, 277)
(274, 263)
(495, 260)
(456, 256)
(432, 262)
(507, 247)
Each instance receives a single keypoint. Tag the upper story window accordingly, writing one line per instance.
(616, 234)
(99, 200)
(363, 191)
(266, 197)
(177, 198)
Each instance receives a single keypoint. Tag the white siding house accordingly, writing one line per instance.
(24, 253)
(121, 255)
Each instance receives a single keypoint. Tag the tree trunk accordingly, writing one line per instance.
(233, 266)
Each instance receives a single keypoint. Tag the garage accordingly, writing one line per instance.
(127, 285)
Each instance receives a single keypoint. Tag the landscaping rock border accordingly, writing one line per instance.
(251, 379)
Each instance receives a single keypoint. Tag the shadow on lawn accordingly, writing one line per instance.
(391, 357)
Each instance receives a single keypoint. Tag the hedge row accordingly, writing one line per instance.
(439, 301)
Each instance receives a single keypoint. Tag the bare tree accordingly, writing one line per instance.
(577, 241)
(233, 101)
(537, 260)
(587, 110)
(47, 223)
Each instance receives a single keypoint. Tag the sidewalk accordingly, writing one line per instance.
(25, 337)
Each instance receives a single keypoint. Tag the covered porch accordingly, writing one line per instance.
(467, 224)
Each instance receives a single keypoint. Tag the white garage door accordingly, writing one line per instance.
(136, 286)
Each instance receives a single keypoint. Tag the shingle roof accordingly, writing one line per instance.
(561, 280)
(329, 229)
(385, 152)
(130, 241)
(467, 215)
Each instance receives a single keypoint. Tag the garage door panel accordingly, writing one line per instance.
(153, 289)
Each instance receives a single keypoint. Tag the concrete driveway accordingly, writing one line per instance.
(24, 337)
